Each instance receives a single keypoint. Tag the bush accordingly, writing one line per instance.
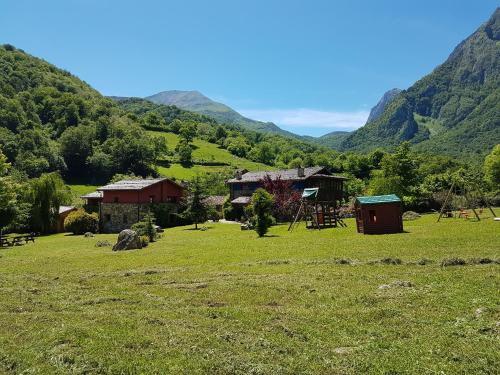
(80, 222)
(213, 214)
(144, 241)
(262, 203)
(146, 227)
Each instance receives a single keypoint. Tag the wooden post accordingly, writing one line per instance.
(445, 201)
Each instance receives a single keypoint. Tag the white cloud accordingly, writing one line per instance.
(309, 118)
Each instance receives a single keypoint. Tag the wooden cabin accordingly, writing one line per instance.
(379, 214)
(331, 188)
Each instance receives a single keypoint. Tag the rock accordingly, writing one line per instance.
(127, 240)
(88, 234)
(244, 227)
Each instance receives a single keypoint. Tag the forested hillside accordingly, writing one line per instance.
(52, 121)
(455, 110)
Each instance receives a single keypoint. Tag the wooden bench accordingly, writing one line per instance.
(17, 240)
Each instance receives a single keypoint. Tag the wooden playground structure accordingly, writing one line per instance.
(317, 214)
(462, 212)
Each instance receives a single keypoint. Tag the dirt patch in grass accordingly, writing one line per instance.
(448, 262)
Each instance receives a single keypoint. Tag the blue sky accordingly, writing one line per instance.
(310, 66)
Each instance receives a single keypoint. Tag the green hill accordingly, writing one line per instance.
(51, 120)
(460, 101)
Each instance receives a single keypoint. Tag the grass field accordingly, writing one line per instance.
(205, 152)
(223, 301)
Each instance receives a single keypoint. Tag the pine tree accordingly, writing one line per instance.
(196, 209)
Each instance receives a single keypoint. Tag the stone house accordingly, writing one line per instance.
(124, 203)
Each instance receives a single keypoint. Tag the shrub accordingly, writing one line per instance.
(144, 241)
(213, 214)
(262, 203)
(80, 222)
(146, 227)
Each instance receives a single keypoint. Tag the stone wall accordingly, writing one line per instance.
(118, 216)
(113, 215)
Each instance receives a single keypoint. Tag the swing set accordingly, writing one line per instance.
(467, 194)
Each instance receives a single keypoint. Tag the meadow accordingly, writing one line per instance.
(222, 301)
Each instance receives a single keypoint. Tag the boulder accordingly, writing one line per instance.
(88, 234)
(128, 240)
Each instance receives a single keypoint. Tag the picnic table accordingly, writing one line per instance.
(17, 240)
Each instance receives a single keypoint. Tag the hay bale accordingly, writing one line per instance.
(411, 215)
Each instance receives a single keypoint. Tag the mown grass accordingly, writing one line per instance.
(223, 301)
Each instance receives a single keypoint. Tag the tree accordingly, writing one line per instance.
(76, 147)
(48, 193)
(187, 132)
(237, 146)
(286, 200)
(492, 166)
(8, 197)
(196, 210)
(262, 203)
(185, 153)
(153, 120)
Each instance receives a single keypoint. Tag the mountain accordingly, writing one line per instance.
(333, 139)
(454, 110)
(379, 108)
(199, 103)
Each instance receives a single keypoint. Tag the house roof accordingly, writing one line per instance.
(64, 209)
(134, 184)
(94, 194)
(377, 199)
(241, 200)
(215, 200)
(284, 174)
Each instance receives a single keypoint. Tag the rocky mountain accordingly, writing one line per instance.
(197, 102)
(379, 108)
(454, 110)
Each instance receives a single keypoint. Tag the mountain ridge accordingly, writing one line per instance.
(195, 101)
(454, 110)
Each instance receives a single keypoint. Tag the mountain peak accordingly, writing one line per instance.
(379, 108)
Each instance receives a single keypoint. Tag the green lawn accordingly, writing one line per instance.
(223, 301)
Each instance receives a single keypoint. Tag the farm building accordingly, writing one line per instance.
(216, 201)
(123, 203)
(379, 214)
(331, 188)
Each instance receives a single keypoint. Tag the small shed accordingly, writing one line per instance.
(379, 214)
(64, 211)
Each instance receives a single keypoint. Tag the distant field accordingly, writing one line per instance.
(205, 153)
(78, 190)
(223, 301)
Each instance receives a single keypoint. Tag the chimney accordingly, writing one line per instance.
(238, 175)
(300, 172)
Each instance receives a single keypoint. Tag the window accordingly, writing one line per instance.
(373, 216)
(125, 219)
(151, 199)
(107, 217)
(115, 199)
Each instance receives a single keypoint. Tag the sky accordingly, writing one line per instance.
(309, 66)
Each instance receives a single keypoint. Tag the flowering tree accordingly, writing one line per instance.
(286, 198)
